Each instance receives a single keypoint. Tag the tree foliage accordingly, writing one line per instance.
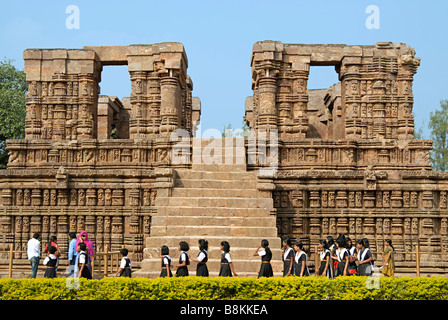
(438, 124)
(13, 88)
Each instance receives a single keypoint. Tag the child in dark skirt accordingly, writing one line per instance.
(288, 257)
(51, 261)
(125, 264)
(184, 261)
(325, 268)
(365, 265)
(266, 256)
(341, 255)
(83, 260)
(227, 268)
(166, 262)
(301, 268)
(202, 270)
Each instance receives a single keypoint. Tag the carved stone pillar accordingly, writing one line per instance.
(62, 82)
(170, 104)
(351, 95)
(267, 116)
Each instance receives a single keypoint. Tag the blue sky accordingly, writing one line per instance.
(218, 38)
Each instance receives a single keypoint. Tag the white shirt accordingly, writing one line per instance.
(82, 258)
(262, 253)
(51, 256)
(123, 263)
(227, 256)
(340, 253)
(352, 251)
(183, 256)
(201, 256)
(362, 256)
(287, 252)
(324, 253)
(165, 259)
(298, 255)
(33, 248)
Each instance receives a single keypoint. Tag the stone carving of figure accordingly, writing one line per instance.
(107, 197)
(19, 197)
(81, 197)
(101, 197)
(89, 155)
(146, 198)
(386, 226)
(26, 197)
(414, 226)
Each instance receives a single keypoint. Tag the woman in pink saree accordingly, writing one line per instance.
(83, 237)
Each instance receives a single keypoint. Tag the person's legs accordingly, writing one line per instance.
(34, 265)
(71, 267)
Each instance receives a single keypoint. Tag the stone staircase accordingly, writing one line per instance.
(216, 202)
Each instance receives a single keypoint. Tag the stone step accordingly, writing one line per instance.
(184, 211)
(216, 175)
(215, 184)
(216, 202)
(214, 192)
(206, 231)
(213, 265)
(219, 167)
(211, 222)
(213, 241)
(212, 274)
(213, 253)
(219, 156)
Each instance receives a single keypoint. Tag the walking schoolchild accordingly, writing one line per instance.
(83, 270)
(51, 261)
(125, 265)
(301, 268)
(166, 262)
(365, 266)
(352, 269)
(90, 248)
(184, 261)
(202, 258)
(227, 268)
(288, 257)
(341, 256)
(325, 268)
(266, 257)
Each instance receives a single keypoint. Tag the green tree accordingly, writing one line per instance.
(13, 88)
(438, 123)
(418, 132)
(228, 131)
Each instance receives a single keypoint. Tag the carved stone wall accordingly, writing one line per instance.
(376, 88)
(347, 160)
(352, 165)
(67, 175)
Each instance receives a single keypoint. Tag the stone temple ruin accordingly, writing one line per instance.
(345, 158)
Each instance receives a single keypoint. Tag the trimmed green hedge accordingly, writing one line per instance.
(218, 288)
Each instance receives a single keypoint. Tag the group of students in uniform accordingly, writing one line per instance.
(226, 269)
(337, 257)
(343, 257)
